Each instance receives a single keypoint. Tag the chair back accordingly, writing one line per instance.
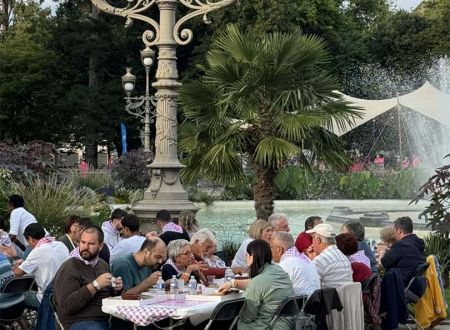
(18, 284)
(53, 307)
(352, 315)
(12, 306)
(227, 310)
(368, 283)
(301, 301)
(413, 296)
(288, 307)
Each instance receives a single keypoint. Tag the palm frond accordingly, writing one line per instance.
(272, 151)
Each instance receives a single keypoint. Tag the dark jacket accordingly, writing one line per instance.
(393, 300)
(405, 255)
(169, 236)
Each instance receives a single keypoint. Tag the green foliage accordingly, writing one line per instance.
(439, 245)
(262, 99)
(229, 247)
(130, 170)
(93, 179)
(295, 182)
(437, 190)
(201, 196)
(51, 200)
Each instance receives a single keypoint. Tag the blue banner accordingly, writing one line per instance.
(123, 130)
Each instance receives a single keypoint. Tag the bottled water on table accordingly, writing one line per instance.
(229, 275)
(192, 286)
(173, 285)
(160, 286)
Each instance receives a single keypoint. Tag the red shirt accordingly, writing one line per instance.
(360, 272)
(303, 241)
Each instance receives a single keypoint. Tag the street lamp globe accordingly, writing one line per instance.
(147, 56)
(128, 80)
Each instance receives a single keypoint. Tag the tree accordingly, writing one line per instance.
(262, 100)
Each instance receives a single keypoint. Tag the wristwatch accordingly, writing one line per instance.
(96, 285)
(233, 283)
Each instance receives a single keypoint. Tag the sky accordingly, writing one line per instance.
(403, 4)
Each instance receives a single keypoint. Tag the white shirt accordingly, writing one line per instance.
(19, 220)
(240, 258)
(125, 247)
(303, 274)
(333, 267)
(43, 263)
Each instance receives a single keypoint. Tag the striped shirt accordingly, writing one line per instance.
(333, 267)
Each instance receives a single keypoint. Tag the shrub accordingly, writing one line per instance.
(439, 246)
(229, 247)
(130, 170)
(97, 180)
(51, 200)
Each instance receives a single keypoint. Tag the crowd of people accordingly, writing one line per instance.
(89, 263)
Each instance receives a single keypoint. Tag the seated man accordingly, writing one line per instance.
(203, 246)
(44, 260)
(112, 227)
(304, 240)
(301, 270)
(82, 282)
(132, 239)
(279, 222)
(135, 269)
(332, 265)
(169, 230)
(357, 229)
(407, 252)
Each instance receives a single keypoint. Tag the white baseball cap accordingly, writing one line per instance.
(323, 229)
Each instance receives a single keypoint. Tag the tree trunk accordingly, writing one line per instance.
(91, 141)
(263, 191)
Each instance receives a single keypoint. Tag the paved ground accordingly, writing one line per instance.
(445, 325)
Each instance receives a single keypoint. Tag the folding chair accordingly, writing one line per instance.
(413, 297)
(12, 306)
(303, 321)
(226, 311)
(53, 307)
(18, 284)
(288, 308)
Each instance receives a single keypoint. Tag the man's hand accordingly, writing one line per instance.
(119, 284)
(153, 278)
(104, 280)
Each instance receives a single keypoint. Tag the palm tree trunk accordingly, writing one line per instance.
(263, 191)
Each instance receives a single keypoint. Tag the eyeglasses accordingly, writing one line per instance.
(274, 246)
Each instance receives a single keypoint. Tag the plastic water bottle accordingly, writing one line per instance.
(229, 275)
(173, 285)
(192, 286)
(160, 286)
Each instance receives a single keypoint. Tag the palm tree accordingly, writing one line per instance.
(261, 99)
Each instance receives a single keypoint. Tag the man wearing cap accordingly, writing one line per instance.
(333, 266)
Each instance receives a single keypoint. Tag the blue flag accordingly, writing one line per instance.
(123, 130)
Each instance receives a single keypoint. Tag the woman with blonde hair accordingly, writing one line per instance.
(188, 222)
(387, 237)
(259, 229)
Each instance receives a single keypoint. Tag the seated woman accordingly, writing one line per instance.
(180, 262)
(259, 229)
(348, 245)
(268, 285)
(387, 237)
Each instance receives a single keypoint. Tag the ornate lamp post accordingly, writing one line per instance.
(140, 106)
(165, 190)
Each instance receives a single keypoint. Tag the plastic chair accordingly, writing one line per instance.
(288, 307)
(227, 310)
(12, 306)
(18, 284)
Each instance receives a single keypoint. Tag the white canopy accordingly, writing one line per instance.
(427, 100)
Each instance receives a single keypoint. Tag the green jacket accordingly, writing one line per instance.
(263, 297)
